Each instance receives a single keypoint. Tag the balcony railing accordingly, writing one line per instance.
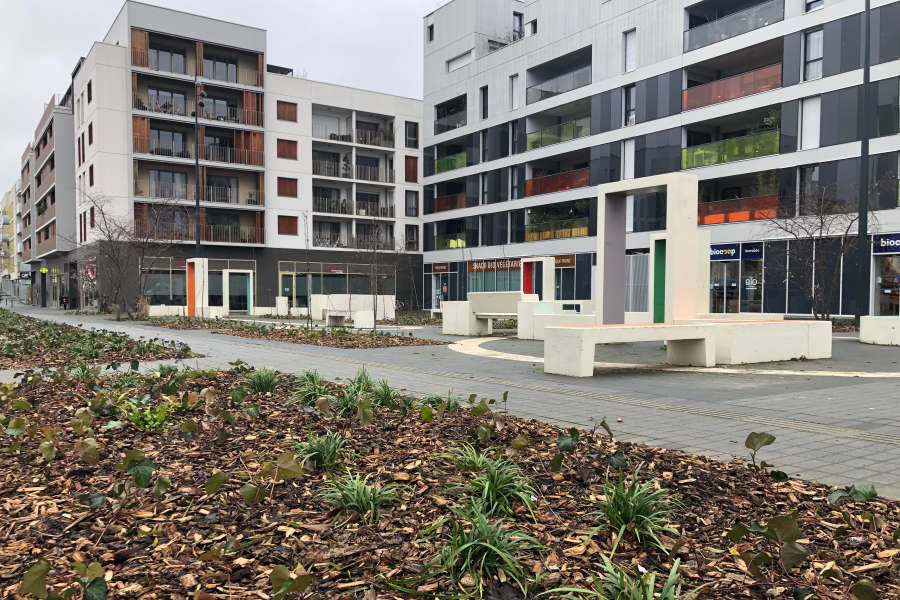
(737, 210)
(723, 90)
(743, 21)
(450, 202)
(556, 230)
(749, 146)
(179, 108)
(334, 240)
(236, 156)
(449, 241)
(372, 242)
(47, 215)
(559, 182)
(46, 246)
(374, 209)
(219, 195)
(333, 206)
(231, 74)
(183, 108)
(374, 174)
(331, 169)
(450, 122)
(559, 85)
(559, 133)
(48, 179)
(331, 132)
(374, 138)
(163, 148)
(186, 232)
(448, 163)
(168, 63)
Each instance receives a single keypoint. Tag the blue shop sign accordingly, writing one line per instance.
(887, 243)
(752, 251)
(724, 252)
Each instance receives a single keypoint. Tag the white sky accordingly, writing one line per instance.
(369, 44)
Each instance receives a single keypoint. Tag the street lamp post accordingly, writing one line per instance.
(199, 95)
(864, 259)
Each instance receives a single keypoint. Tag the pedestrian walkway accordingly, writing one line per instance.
(835, 420)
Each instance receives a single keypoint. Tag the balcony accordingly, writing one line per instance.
(737, 210)
(333, 206)
(46, 246)
(234, 156)
(559, 133)
(18, 208)
(331, 132)
(374, 209)
(330, 169)
(448, 163)
(45, 216)
(556, 230)
(371, 242)
(558, 182)
(238, 116)
(450, 202)
(559, 85)
(186, 232)
(333, 240)
(218, 195)
(749, 146)
(48, 178)
(167, 148)
(450, 122)
(375, 138)
(163, 62)
(735, 24)
(229, 73)
(450, 241)
(731, 88)
(374, 174)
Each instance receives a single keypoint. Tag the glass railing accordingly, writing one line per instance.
(559, 182)
(448, 163)
(559, 85)
(555, 230)
(734, 24)
(559, 133)
(737, 210)
(450, 122)
(449, 202)
(749, 146)
(723, 90)
(449, 241)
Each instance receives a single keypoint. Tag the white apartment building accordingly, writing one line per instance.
(298, 181)
(530, 105)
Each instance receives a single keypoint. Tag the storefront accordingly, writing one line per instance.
(300, 280)
(501, 275)
(736, 278)
(886, 260)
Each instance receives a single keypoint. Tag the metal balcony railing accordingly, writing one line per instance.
(219, 195)
(333, 206)
(374, 138)
(449, 202)
(331, 132)
(186, 232)
(558, 182)
(743, 21)
(737, 210)
(374, 209)
(559, 85)
(237, 156)
(333, 240)
(163, 148)
(731, 88)
(372, 242)
(448, 163)
(555, 230)
(163, 61)
(331, 169)
(449, 241)
(559, 133)
(749, 146)
(231, 74)
(450, 122)
(374, 174)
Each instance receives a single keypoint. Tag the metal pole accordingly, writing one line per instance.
(197, 167)
(864, 259)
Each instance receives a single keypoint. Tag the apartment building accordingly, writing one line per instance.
(300, 183)
(8, 239)
(530, 105)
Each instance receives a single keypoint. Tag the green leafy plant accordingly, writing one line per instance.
(496, 491)
(166, 371)
(355, 495)
(467, 458)
(781, 535)
(755, 442)
(450, 404)
(633, 507)
(857, 495)
(622, 583)
(323, 452)
(149, 417)
(568, 445)
(261, 382)
(311, 386)
(85, 372)
(383, 394)
(283, 584)
(89, 584)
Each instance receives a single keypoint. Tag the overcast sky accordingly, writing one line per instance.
(369, 44)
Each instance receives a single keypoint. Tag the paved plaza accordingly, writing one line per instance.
(835, 420)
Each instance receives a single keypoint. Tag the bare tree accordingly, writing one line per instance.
(306, 279)
(373, 250)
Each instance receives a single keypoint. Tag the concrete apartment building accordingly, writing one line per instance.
(8, 239)
(302, 184)
(529, 105)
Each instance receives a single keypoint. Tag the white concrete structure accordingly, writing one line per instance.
(883, 331)
(476, 316)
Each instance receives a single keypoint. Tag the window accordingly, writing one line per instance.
(287, 149)
(90, 134)
(514, 183)
(814, 53)
(287, 225)
(412, 237)
(514, 92)
(91, 175)
(459, 62)
(514, 137)
(484, 102)
(411, 168)
(484, 188)
(287, 187)
(534, 27)
(630, 51)
(412, 203)
(810, 124)
(92, 217)
(484, 145)
(630, 104)
(518, 31)
(286, 111)
(430, 34)
(90, 91)
(412, 135)
(814, 4)
(628, 159)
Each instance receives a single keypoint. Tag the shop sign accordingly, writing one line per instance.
(566, 260)
(338, 269)
(440, 268)
(475, 266)
(887, 243)
(752, 251)
(724, 252)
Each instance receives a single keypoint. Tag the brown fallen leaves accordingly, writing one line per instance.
(332, 339)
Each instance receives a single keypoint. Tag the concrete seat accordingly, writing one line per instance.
(475, 316)
(883, 331)
(570, 350)
(747, 342)
(362, 319)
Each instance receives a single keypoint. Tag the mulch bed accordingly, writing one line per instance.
(411, 318)
(188, 323)
(331, 338)
(41, 514)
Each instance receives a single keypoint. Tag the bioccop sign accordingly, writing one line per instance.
(724, 252)
(888, 243)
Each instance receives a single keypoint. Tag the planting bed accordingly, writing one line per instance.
(185, 323)
(205, 513)
(333, 337)
(26, 342)
(415, 317)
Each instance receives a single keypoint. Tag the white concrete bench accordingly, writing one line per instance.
(748, 342)
(362, 319)
(475, 316)
(883, 331)
(570, 350)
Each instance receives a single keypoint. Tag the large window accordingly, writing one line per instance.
(412, 135)
(814, 4)
(166, 101)
(167, 184)
(630, 51)
(165, 282)
(412, 238)
(220, 68)
(412, 204)
(220, 188)
(514, 92)
(814, 53)
(630, 104)
(810, 125)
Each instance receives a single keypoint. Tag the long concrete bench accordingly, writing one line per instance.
(883, 331)
(748, 342)
(362, 319)
(475, 316)
(570, 350)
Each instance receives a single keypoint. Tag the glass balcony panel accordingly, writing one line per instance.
(559, 133)
(556, 230)
(559, 85)
(751, 146)
(559, 182)
(448, 163)
(734, 24)
(450, 122)
(745, 84)
(737, 210)
(450, 241)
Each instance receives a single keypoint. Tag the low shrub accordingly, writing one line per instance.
(636, 508)
(498, 489)
(323, 452)
(262, 381)
(353, 494)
